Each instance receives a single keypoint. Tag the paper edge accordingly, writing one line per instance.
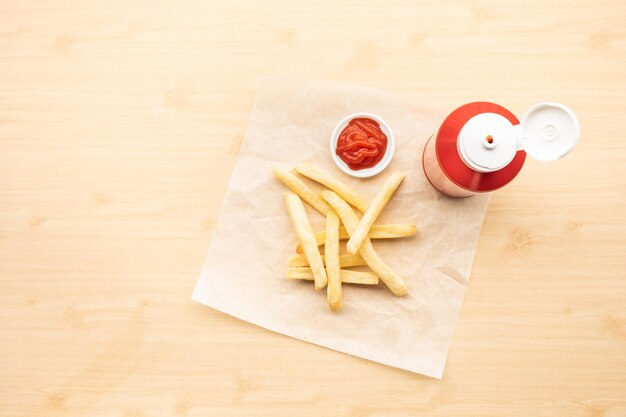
(419, 371)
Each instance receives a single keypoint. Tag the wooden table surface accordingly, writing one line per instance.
(120, 122)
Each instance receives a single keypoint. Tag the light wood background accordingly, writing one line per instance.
(120, 122)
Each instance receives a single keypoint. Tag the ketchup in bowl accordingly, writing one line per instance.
(361, 144)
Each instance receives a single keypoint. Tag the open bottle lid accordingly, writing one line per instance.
(548, 131)
(488, 142)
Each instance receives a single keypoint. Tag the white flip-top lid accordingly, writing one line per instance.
(547, 131)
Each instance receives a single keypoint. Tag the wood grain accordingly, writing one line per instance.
(119, 125)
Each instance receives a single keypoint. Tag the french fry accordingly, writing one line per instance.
(331, 252)
(300, 188)
(389, 231)
(377, 231)
(373, 211)
(304, 231)
(346, 260)
(371, 258)
(347, 276)
(323, 177)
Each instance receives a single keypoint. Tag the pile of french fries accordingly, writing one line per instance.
(336, 204)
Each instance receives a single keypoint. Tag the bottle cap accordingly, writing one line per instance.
(488, 141)
(548, 131)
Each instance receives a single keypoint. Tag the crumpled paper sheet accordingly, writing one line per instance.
(244, 271)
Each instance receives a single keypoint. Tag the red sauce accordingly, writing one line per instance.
(361, 144)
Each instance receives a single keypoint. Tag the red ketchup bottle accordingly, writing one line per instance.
(480, 147)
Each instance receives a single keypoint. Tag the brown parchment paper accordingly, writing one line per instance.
(243, 274)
